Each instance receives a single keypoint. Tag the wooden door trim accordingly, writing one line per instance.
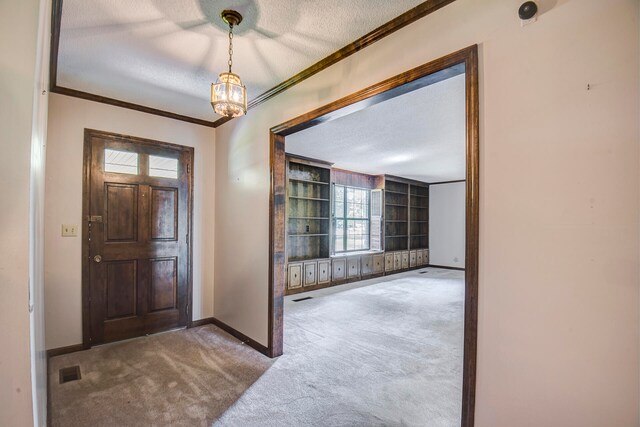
(86, 182)
(356, 101)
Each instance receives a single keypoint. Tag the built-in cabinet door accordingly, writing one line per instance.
(378, 263)
(413, 258)
(397, 261)
(324, 271)
(388, 261)
(339, 269)
(405, 259)
(295, 275)
(425, 256)
(419, 258)
(310, 273)
(366, 265)
(353, 267)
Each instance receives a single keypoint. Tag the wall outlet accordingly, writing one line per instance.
(69, 230)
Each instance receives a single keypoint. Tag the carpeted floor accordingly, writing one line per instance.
(179, 378)
(387, 352)
(383, 352)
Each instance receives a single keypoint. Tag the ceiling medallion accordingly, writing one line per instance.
(228, 94)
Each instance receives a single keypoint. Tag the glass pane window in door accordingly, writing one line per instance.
(163, 167)
(117, 161)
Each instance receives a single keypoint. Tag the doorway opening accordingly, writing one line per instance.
(137, 246)
(464, 62)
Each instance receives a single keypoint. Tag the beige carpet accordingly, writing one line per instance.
(179, 378)
(382, 352)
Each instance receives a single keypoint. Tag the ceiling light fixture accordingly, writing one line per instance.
(228, 94)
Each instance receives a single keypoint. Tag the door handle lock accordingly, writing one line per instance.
(97, 258)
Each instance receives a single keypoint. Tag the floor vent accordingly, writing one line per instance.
(302, 299)
(71, 373)
(424, 272)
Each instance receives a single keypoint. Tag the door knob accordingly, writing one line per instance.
(97, 258)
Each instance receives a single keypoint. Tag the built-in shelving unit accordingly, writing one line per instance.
(308, 210)
(400, 211)
(419, 216)
(396, 215)
(406, 215)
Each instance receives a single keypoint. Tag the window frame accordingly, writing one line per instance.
(346, 218)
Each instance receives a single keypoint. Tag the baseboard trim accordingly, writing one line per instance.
(239, 335)
(53, 352)
(446, 267)
(201, 322)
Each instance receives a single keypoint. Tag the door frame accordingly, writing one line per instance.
(86, 186)
(421, 76)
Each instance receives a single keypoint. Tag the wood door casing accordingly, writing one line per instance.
(140, 226)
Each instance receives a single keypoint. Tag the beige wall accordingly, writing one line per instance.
(559, 249)
(447, 224)
(68, 117)
(18, 41)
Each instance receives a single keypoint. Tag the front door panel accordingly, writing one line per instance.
(138, 247)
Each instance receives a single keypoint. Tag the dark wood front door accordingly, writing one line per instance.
(137, 218)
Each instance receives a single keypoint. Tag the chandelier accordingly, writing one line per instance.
(228, 94)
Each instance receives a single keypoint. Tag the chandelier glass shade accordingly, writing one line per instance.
(228, 94)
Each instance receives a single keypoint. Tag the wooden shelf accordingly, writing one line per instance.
(308, 181)
(418, 235)
(396, 192)
(420, 222)
(394, 204)
(309, 198)
(418, 195)
(419, 207)
(310, 217)
(308, 211)
(394, 237)
(395, 220)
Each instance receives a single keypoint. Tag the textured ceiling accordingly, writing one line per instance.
(418, 135)
(165, 53)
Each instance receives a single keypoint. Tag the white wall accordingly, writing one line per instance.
(68, 117)
(447, 224)
(36, 216)
(558, 320)
(18, 80)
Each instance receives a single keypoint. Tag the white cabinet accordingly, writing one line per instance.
(366, 265)
(404, 259)
(353, 267)
(388, 261)
(310, 273)
(324, 271)
(397, 261)
(378, 263)
(338, 269)
(295, 275)
(413, 258)
(425, 256)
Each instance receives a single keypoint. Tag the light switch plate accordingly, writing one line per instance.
(69, 230)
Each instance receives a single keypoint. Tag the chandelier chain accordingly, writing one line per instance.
(230, 46)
